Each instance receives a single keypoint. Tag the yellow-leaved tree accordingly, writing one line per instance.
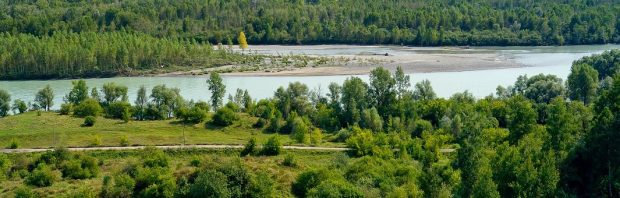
(243, 43)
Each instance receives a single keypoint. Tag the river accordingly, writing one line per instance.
(546, 60)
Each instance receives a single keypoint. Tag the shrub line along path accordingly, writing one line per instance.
(201, 146)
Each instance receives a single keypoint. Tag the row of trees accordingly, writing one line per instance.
(418, 22)
(71, 55)
(532, 139)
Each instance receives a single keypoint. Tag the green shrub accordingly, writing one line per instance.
(24, 192)
(335, 188)
(121, 186)
(289, 160)
(66, 109)
(194, 115)
(42, 176)
(263, 186)
(96, 141)
(272, 147)
(89, 107)
(5, 166)
(260, 123)
(83, 167)
(14, 144)
(124, 140)
(155, 182)
(118, 110)
(420, 126)
(233, 106)
(154, 157)
(249, 148)
(300, 130)
(195, 162)
(210, 183)
(89, 121)
(225, 117)
(308, 180)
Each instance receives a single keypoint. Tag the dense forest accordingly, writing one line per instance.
(541, 137)
(70, 55)
(407, 22)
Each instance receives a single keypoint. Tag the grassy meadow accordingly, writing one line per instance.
(50, 129)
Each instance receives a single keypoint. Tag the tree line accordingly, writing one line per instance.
(73, 55)
(539, 137)
(417, 22)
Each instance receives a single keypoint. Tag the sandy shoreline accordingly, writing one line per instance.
(362, 59)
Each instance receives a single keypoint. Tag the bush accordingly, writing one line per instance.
(194, 115)
(124, 141)
(89, 121)
(66, 109)
(96, 141)
(154, 182)
(42, 176)
(260, 123)
(335, 188)
(233, 106)
(316, 137)
(5, 165)
(122, 187)
(300, 130)
(272, 147)
(289, 160)
(90, 107)
(154, 157)
(24, 192)
(83, 167)
(195, 162)
(420, 126)
(308, 180)
(119, 110)
(14, 144)
(210, 183)
(225, 117)
(249, 148)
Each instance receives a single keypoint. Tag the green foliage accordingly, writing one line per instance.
(25, 192)
(5, 103)
(14, 144)
(272, 147)
(335, 188)
(66, 109)
(114, 93)
(19, 106)
(42, 176)
(210, 183)
(118, 110)
(154, 157)
(225, 117)
(521, 117)
(121, 186)
(424, 91)
(196, 114)
(308, 180)
(289, 160)
(83, 167)
(89, 121)
(300, 130)
(582, 83)
(44, 98)
(123, 141)
(217, 88)
(5, 166)
(250, 147)
(89, 107)
(78, 93)
(361, 142)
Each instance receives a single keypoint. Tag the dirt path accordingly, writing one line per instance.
(208, 146)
